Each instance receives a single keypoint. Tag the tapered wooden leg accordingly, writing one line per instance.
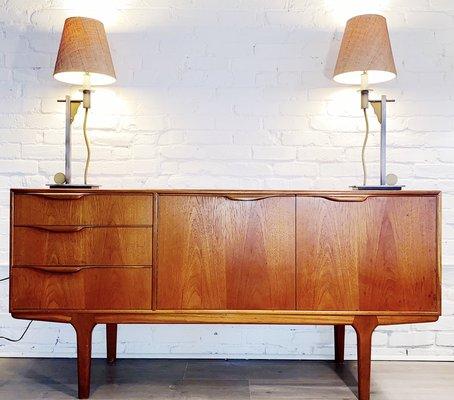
(364, 327)
(111, 340)
(84, 327)
(339, 343)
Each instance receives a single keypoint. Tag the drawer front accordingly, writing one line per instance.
(82, 246)
(90, 288)
(374, 254)
(226, 253)
(83, 209)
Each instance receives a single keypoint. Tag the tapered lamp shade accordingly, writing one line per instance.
(84, 56)
(365, 48)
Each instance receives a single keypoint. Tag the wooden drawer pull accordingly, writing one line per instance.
(59, 228)
(248, 198)
(347, 198)
(61, 196)
(57, 270)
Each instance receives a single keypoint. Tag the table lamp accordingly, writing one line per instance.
(83, 59)
(365, 57)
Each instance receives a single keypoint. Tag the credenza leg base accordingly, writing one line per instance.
(339, 344)
(364, 327)
(111, 342)
(84, 327)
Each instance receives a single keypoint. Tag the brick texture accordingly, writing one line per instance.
(228, 94)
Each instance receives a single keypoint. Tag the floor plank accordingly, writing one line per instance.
(28, 379)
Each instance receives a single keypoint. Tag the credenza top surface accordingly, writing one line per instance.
(237, 191)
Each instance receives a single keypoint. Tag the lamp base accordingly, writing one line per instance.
(378, 187)
(71, 186)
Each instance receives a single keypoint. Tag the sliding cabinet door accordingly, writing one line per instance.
(225, 252)
(367, 253)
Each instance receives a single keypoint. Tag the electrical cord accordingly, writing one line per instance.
(22, 336)
(25, 331)
(87, 144)
(363, 151)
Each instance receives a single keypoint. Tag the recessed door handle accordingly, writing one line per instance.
(61, 196)
(346, 198)
(57, 270)
(250, 198)
(59, 228)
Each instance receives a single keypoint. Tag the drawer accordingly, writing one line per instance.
(89, 288)
(83, 209)
(73, 245)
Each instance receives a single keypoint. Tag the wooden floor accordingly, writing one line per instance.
(221, 380)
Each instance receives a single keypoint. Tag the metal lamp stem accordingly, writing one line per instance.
(68, 140)
(379, 107)
(71, 107)
(383, 142)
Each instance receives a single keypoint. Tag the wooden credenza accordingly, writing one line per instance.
(88, 257)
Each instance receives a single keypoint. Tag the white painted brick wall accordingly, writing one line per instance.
(228, 94)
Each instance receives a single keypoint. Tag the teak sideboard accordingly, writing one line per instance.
(88, 257)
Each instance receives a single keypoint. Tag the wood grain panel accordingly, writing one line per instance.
(91, 288)
(219, 253)
(88, 246)
(398, 265)
(327, 255)
(377, 254)
(82, 209)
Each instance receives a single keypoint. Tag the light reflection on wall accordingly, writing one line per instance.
(106, 11)
(118, 16)
(344, 101)
(342, 10)
(106, 103)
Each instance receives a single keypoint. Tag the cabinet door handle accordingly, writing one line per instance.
(61, 196)
(249, 198)
(57, 270)
(346, 198)
(59, 228)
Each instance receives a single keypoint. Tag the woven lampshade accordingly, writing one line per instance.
(84, 56)
(365, 48)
